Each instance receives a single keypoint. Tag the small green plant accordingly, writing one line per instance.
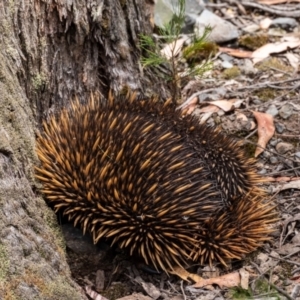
(153, 58)
(262, 289)
(170, 35)
(239, 293)
(266, 289)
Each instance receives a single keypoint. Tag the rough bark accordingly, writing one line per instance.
(50, 51)
(78, 46)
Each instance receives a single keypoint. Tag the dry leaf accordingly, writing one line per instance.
(184, 274)
(180, 272)
(265, 129)
(209, 108)
(94, 295)
(236, 52)
(293, 60)
(228, 280)
(205, 117)
(149, 288)
(226, 105)
(237, 102)
(215, 106)
(264, 51)
(241, 117)
(265, 23)
(253, 125)
(191, 106)
(244, 278)
(290, 185)
(173, 48)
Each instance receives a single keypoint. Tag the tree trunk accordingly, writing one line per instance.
(50, 51)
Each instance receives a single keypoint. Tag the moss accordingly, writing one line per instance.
(217, 119)
(36, 278)
(199, 51)
(115, 291)
(60, 289)
(43, 43)
(266, 94)
(4, 262)
(231, 73)
(250, 148)
(8, 288)
(51, 220)
(253, 42)
(274, 63)
(38, 81)
(287, 270)
(6, 292)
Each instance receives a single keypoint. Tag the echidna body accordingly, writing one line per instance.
(162, 186)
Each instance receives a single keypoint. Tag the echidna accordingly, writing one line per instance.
(165, 187)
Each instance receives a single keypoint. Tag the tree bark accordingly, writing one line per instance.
(50, 51)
